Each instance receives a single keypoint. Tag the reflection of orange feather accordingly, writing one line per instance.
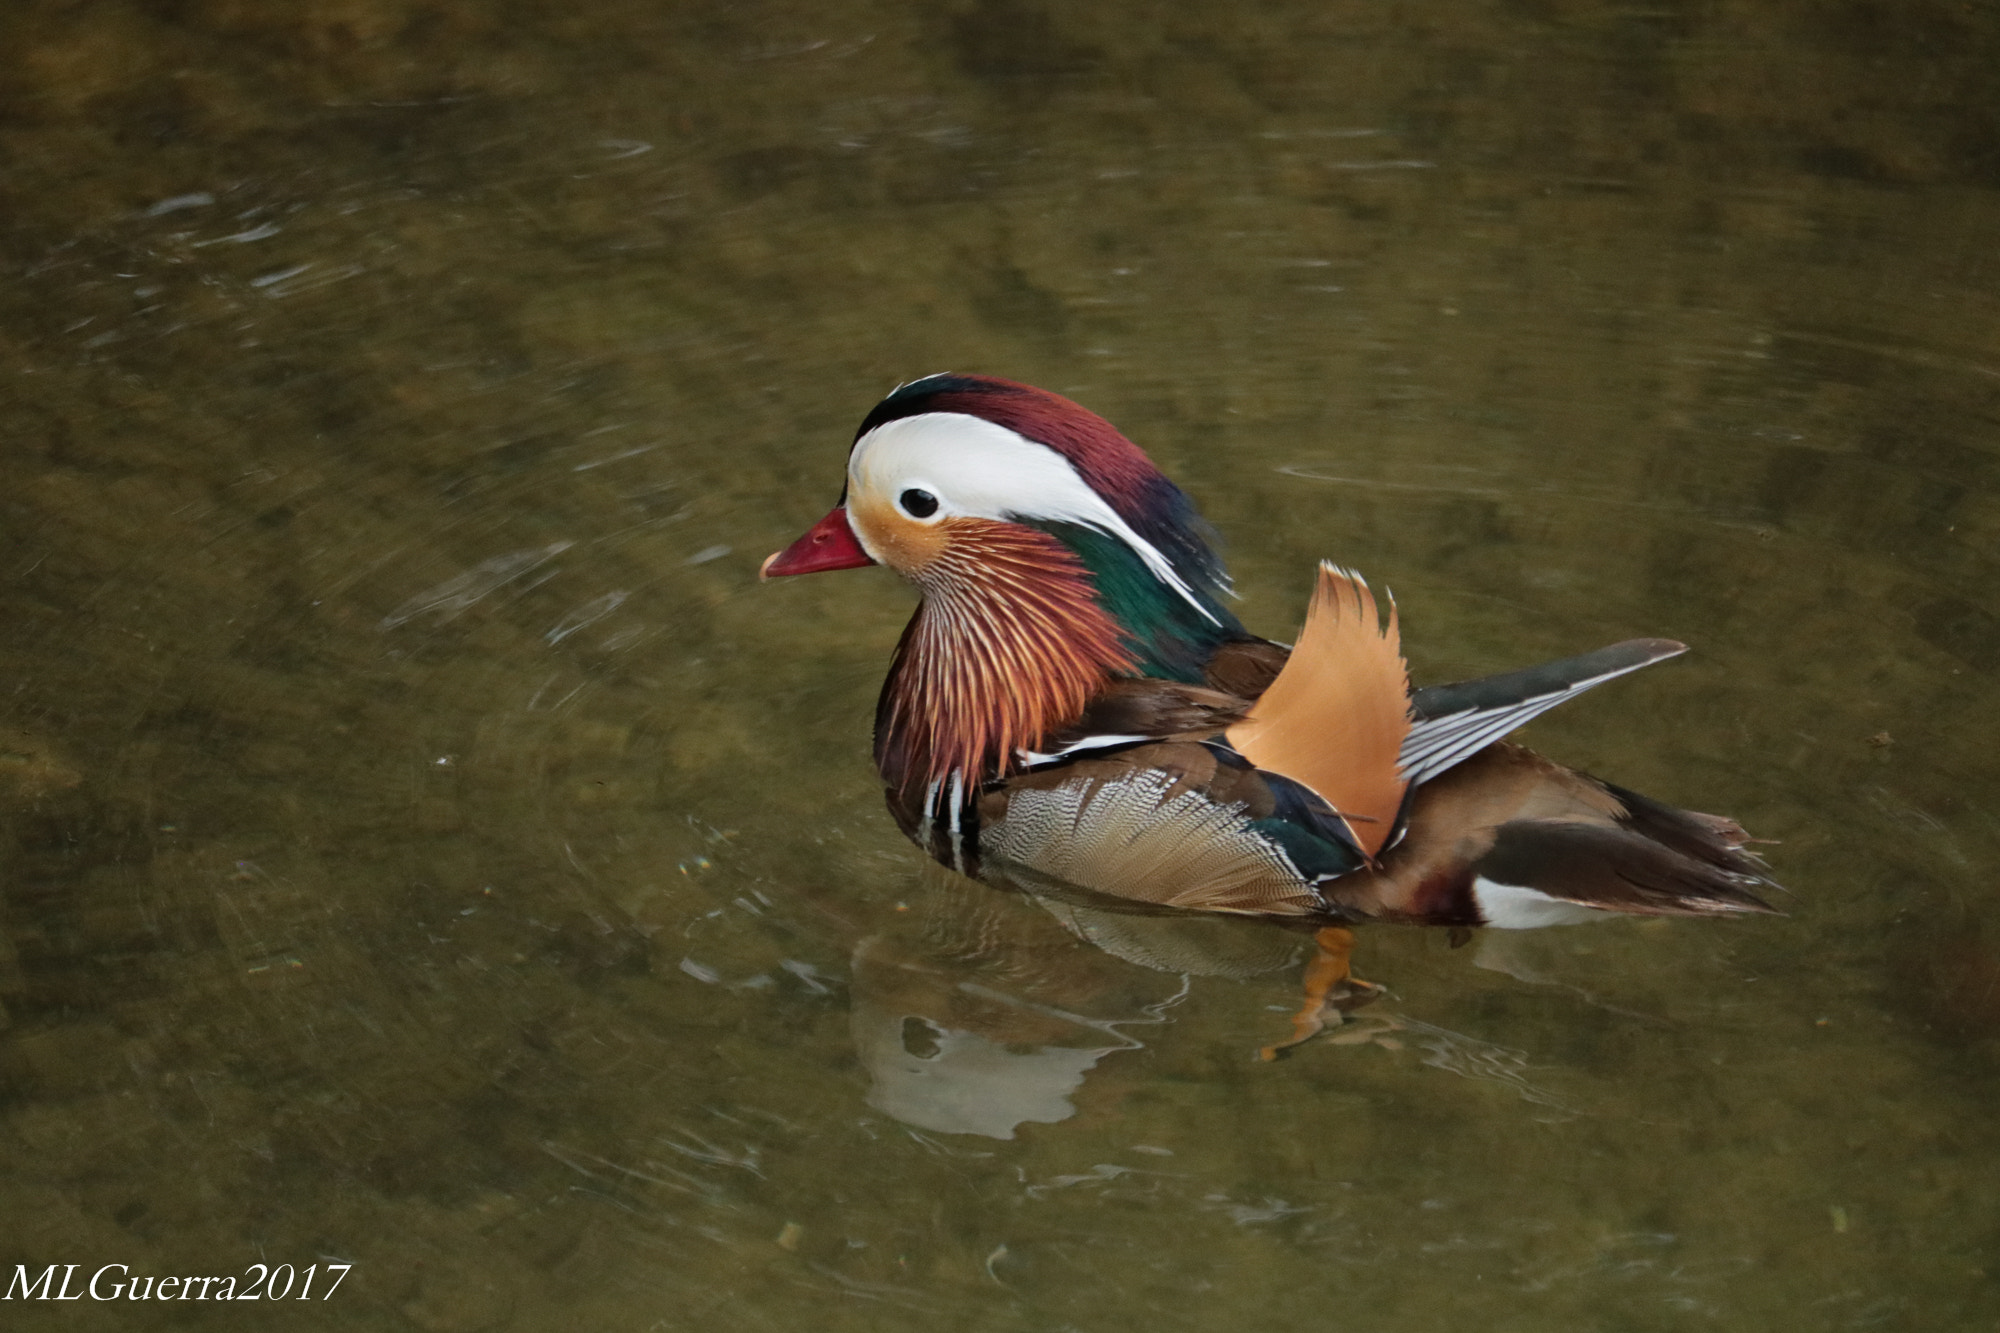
(1337, 714)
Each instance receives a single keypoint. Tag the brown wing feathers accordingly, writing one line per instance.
(1336, 716)
(1512, 816)
(1615, 867)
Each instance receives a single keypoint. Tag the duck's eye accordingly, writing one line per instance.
(918, 504)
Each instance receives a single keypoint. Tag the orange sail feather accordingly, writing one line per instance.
(1336, 716)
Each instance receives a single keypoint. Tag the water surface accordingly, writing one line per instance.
(424, 845)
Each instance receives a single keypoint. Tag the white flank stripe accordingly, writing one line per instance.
(957, 808)
(1034, 757)
(1511, 907)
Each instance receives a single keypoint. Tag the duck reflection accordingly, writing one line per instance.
(978, 1013)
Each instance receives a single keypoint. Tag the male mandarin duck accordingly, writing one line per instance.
(1074, 706)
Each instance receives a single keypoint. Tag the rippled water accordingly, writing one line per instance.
(425, 846)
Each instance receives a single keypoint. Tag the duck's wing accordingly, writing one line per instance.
(1246, 667)
(1451, 723)
(1119, 802)
(1136, 711)
(1188, 796)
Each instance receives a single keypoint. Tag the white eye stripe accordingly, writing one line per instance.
(992, 472)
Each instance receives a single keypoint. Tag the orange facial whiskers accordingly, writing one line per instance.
(1008, 645)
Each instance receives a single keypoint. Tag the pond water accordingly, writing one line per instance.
(425, 846)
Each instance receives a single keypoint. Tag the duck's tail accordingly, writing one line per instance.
(1509, 839)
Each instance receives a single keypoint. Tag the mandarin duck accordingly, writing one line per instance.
(1074, 708)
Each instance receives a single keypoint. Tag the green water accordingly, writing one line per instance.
(425, 846)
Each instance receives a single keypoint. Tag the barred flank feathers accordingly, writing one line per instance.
(1135, 837)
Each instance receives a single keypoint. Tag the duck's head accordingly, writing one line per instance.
(955, 481)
